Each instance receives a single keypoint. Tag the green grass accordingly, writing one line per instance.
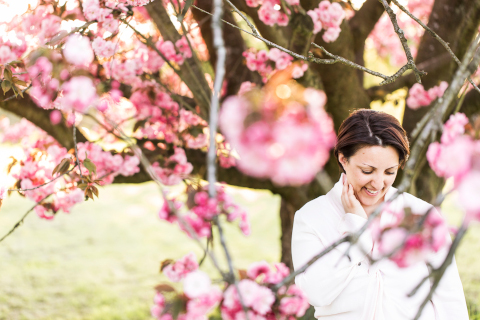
(101, 261)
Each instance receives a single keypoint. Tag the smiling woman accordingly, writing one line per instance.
(371, 148)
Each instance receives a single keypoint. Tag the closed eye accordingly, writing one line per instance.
(369, 172)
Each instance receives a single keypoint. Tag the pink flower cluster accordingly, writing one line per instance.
(457, 155)
(93, 11)
(164, 120)
(103, 49)
(126, 71)
(263, 272)
(78, 50)
(269, 12)
(203, 209)
(407, 246)
(178, 270)
(41, 24)
(419, 97)
(174, 169)
(12, 48)
(327, 16)
(384, 39)
(42, 154)
(259, 298)
(79, 94)
(200, 298)
(107, 165)
(44, 86)
(289, 139)
(444, 157)
(170, 51)
(268, 63)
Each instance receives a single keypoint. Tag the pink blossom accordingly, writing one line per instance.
(42, 213)
(253, 3)
(55, 117)
(406, 245)
(110, 24)
(444, 159)
(331, 34)
(454, 127)
(295, 304)
(78, 50)
(78, 94)
(274, 148)
(196, 284)
(418, 97)
(6, 55)
(129, 166)
(199, 307)
(258, 268)
(168, 50)
(183, 47)
(177, 271)
(298, 71)
(3, 191)
(103, 48)
(468, 191)
(317, 23)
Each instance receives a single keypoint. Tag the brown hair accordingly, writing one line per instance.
(367, 127)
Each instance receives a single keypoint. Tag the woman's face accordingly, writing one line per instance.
(371, 171)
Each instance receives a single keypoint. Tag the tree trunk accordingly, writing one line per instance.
(287, 212)
(456, 22)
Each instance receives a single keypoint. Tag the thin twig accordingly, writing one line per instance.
(153, 175)
(13, 96)
(219, 45)
(436, 36)
(438, 273)
(60, 175)
(386, 79)
(403, 40)
(310, 58)
(75, 147)
(252, 27)
(19, 223)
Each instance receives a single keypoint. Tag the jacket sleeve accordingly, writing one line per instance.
(325, 281)
(448, 299)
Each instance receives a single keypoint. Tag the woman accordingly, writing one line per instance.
(372, 146)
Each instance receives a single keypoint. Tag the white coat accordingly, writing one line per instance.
(343, 289)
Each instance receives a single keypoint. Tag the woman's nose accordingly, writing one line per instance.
(377, 182)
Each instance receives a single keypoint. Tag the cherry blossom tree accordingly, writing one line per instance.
(130, 91)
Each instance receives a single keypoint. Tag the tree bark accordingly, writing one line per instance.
(287, 212)
(456, 22)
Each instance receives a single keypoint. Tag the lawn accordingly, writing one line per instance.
(102, 260)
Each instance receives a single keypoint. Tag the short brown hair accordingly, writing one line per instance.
(366, 127)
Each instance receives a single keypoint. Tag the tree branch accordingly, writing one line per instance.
(444, 44)
(26, 108)
(403, 40)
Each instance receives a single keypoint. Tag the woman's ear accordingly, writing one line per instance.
(342, 159)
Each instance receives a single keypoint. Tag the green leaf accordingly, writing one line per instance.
(90, 165)
(62, 167)
(163, 287)
(7, 74)
(20, 82)
(187, 6)
(6, 86)
(94, 190)
(139, 124)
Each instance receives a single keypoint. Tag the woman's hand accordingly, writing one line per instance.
(350, 201)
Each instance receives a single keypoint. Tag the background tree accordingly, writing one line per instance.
(155, 86)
